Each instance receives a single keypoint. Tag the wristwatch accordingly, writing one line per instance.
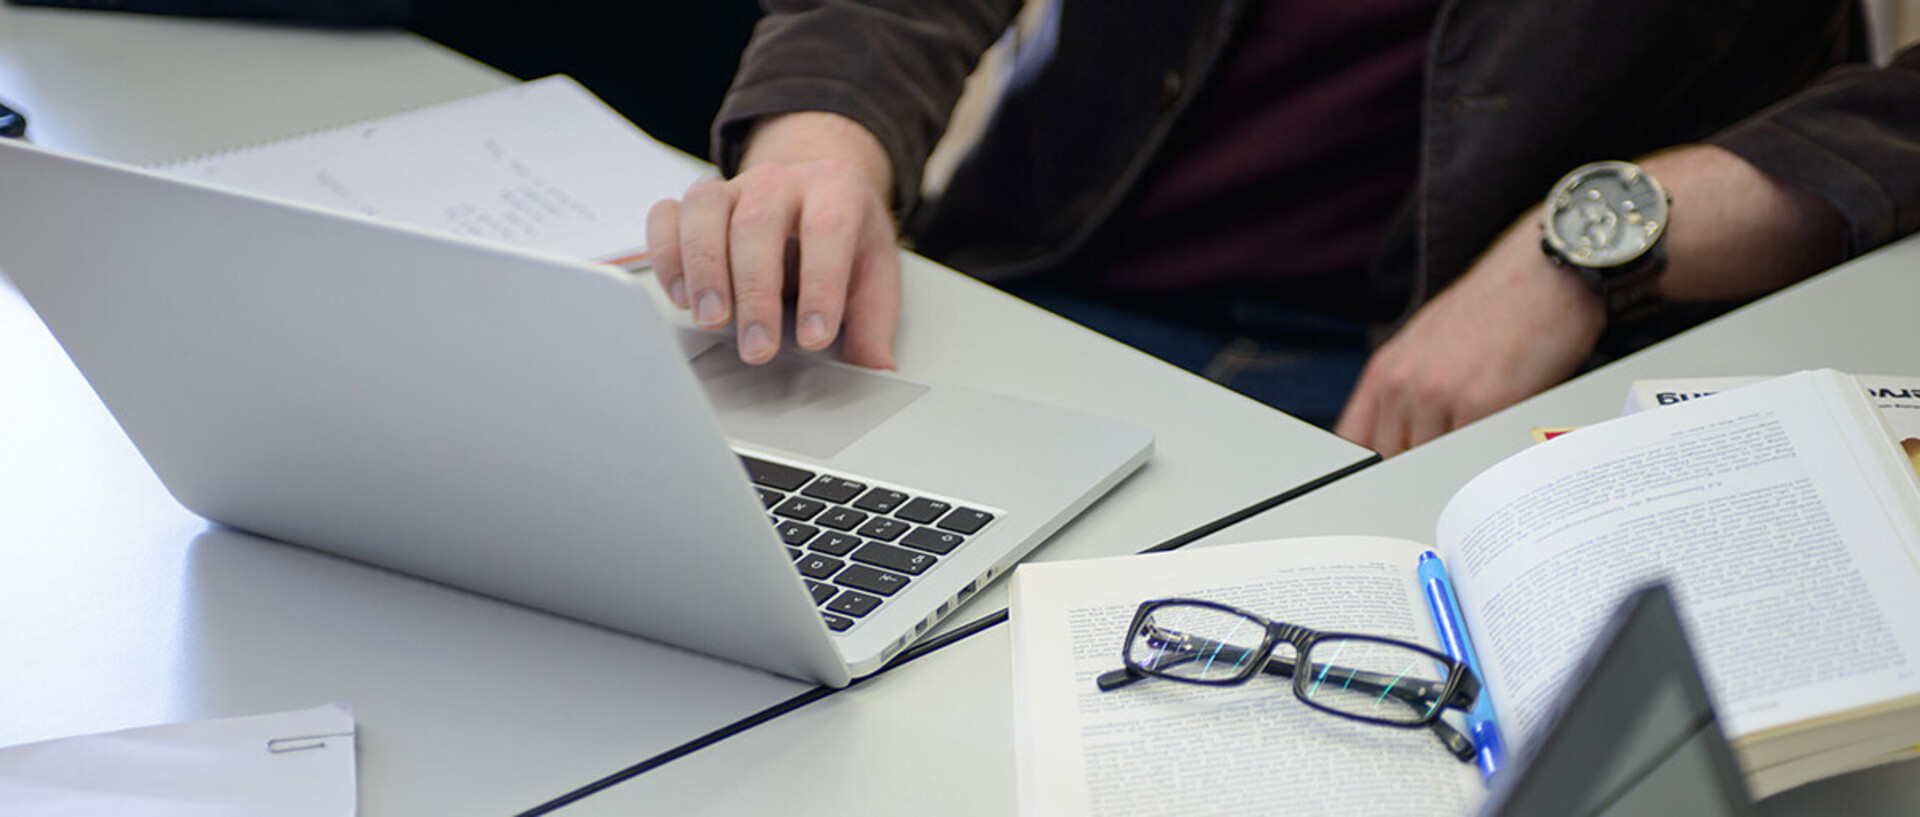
(1607, 222)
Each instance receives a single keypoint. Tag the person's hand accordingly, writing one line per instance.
(810, 198)
(1512, 326)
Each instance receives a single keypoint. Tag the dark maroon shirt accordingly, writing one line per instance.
(1283, 177)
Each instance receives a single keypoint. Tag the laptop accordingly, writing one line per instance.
(532, 428)
(1637, 735)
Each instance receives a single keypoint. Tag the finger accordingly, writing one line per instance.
(1387, 431)
(873, 297)
(663, 249)
(762, 222)
(1426, 422)
(1389, 434)
(830, 232)
(1359, 419)
(704, 217)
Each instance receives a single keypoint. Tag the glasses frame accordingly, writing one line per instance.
(1459, 691)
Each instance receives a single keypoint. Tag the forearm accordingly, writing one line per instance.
(1852, 138)
(1516, 323)
(1736, 232)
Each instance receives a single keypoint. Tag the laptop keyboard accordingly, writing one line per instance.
(856, 543)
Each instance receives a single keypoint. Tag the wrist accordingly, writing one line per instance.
(1561, 298)
(1581, 308)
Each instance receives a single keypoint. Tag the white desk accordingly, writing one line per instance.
(936, 738)
(123, 609)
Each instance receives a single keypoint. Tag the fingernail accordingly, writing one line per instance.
(678, 292)
(813, 330)
(754, 343)
(710, 312)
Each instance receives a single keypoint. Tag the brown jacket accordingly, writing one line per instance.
(1517, 93)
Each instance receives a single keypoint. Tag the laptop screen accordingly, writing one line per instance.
(1638, 734)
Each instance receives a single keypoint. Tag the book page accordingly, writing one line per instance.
(1779, 512)
(1164, 748)
(543, 165)
(1897, 397)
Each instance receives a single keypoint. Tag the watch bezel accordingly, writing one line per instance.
(1560, 196)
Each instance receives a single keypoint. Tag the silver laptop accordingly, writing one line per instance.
(532, 428)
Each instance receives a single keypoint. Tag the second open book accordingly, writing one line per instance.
(1787, 522)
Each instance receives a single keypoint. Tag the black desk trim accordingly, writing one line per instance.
(914, 652)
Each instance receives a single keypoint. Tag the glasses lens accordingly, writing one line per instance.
(1196, 643)
(1377, 680)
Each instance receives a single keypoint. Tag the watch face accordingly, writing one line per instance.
(1605, 214)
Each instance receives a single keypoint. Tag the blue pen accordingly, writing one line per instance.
(1490, 751)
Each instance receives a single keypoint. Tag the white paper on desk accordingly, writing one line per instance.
(288, 764)
(544, 164)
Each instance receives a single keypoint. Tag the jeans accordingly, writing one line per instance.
(1298, 362)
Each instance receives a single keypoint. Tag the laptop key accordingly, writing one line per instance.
(841, 519)
(833, 489)
(835, 544)
(768, 498)
(838, 624)
(862, 577)
(795, 533)
(895, 558)
(883, 528)
(932, 541)
(816, 566)
(922, 510)
(966, 520)
(853, 603)
(880, 500)
(800, 508)
(821, 591)
(773, 474)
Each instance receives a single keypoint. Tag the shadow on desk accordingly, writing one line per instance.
(445, 685)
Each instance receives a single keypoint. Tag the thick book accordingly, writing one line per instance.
(543, 165)
(1897, 397)
(1782, 515)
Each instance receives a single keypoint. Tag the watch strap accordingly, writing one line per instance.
(1632, 300)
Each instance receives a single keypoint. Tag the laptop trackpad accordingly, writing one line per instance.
(789, 403)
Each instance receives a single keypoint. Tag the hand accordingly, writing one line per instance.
(811, 197)
(1512, 326)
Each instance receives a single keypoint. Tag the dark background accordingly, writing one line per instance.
(665, 64)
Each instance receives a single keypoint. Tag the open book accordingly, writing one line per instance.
(544, 165)
(1897, 397)
(1784, 518)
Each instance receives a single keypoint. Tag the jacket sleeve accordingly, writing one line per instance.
(895, 66)
(1851, 137)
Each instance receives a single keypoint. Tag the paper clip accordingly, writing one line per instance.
(281, 746)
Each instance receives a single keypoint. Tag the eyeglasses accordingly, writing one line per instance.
(1362, 677)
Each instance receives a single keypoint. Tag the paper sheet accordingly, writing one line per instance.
(288, 764)
(543, 165)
